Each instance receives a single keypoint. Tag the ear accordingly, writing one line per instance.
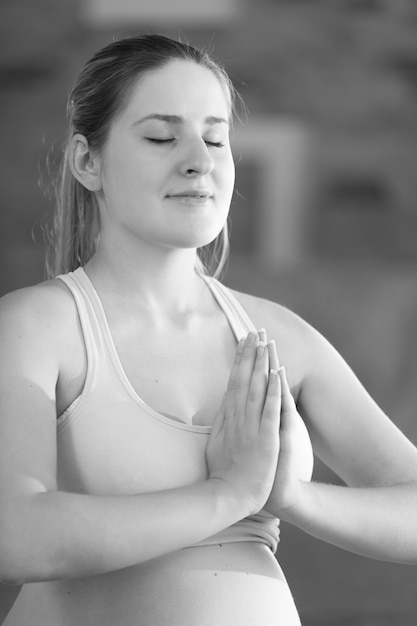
(85, 165)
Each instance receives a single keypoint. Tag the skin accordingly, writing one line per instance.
(144, 273)
(147, 171)
(154, 300)
(354, 437)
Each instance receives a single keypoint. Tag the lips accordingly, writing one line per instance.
(191, 193)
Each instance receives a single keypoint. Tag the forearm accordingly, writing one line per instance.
(59, 535)
(377, 522)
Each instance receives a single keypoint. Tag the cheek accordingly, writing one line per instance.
(123, 176)
(226, 168)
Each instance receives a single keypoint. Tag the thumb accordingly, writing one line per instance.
(287, 401)
(219, 418)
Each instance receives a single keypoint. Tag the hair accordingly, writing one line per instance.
(98, 94)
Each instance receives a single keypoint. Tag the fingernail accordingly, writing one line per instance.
(282, 375)
(273, 377)
(272, 350)
(251, 338)
(262, 336)
(240, 344)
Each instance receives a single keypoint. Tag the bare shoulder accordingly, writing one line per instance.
(36, 306)
(295, 338)
(262, 311)
(34, 319)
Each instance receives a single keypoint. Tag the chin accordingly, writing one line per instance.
(202, 242)
(198, 239)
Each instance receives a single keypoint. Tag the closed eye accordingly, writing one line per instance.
(160, 140)
(215, 144)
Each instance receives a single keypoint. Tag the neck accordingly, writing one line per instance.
(160, 283)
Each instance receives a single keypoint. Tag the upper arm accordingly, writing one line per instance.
(349, 431)
(28, 375)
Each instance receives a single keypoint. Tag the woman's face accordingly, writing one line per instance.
(167, 169)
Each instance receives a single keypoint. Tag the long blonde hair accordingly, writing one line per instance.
(72, 233)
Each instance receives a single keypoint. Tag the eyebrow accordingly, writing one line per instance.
(178, 119)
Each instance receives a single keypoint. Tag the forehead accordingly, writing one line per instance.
(180, 87)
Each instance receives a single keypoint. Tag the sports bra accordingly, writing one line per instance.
(110, 442)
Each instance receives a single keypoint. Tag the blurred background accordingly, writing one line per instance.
(324, 219)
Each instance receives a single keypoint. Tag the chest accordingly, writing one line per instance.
(121, 446)
(181, 375)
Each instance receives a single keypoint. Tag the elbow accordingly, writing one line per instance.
(11, 566)
(12, 552)
(15, 576)
(10, 580)
(16, 571)
(19, 560)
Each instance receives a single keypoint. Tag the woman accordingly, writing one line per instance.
(153, 498)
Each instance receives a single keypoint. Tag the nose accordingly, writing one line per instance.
(197, 160)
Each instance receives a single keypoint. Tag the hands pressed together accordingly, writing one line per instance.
(254, 443)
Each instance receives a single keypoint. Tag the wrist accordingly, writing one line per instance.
(296, 507)
(229, 501)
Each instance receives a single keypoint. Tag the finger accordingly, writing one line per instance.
(289, 408)
(272, 408)
(233, 381)
(244, 373)
(238, 357)
(219, 419)
(273, 356)
(287, 399)
(258, 388)
(262, 336)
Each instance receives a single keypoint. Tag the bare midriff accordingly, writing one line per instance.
(227, 584)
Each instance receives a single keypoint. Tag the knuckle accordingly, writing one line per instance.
(247, 354)
(230, 416)
(233, 384)
(238, 358)
(259, 365)
(270, 407)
